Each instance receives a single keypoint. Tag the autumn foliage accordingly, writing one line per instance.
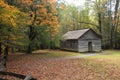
(8, 14)
(46, 13)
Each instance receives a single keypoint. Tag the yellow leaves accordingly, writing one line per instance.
(12, 22)
(7, 20)
(12, 37)
(8, 14)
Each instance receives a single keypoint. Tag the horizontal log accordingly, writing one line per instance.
(20, 76)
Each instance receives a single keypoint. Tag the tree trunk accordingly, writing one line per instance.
(29, 48)
(0, 48)
(30, 38)
(111, 27)
(100, 23)
(32, 35)
(99, 17)
(32, 32)
(115, 24)
(5, 55)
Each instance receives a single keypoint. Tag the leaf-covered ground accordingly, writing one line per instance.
(45, 67)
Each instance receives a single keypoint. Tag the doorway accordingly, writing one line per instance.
(90, 47)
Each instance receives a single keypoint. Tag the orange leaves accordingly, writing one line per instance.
(46, 15)
(43, 11)
(6, 6)
(2, 4)
(26, 1)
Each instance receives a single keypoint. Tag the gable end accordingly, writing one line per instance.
(89, 34)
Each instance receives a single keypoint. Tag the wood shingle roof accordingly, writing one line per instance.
(74, 34)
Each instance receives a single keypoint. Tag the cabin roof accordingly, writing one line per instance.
(75, 34)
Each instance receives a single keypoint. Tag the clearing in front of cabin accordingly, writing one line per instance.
(43, 65)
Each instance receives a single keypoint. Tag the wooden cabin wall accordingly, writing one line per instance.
(83, 45)
(70, 45)
(90, 36)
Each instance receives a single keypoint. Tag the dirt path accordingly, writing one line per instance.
(78, 56)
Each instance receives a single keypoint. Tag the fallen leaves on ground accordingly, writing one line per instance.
(44, 68)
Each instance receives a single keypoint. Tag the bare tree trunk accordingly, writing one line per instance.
(116, 12)
(115, 24)
(111, 27)
(100, 23)
(99, 18)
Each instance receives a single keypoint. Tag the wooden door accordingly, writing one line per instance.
(90, 46)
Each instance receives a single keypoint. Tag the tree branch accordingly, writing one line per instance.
(89, 23)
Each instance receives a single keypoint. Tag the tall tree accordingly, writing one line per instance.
(42, 13)
(9, 22)
(115, 24)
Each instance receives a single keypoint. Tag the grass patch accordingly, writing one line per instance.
(55, 53)
(112, 56)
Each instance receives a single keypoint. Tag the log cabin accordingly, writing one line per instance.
(84, 40)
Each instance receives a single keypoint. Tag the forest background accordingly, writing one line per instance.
(27, 25)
